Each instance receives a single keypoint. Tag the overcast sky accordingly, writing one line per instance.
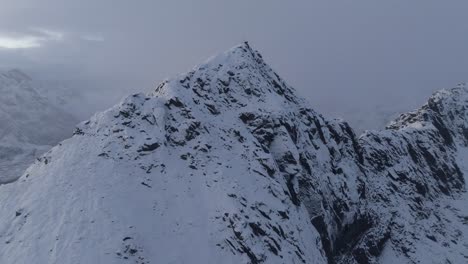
(344, 56)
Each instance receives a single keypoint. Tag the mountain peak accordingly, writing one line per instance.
(238, 78)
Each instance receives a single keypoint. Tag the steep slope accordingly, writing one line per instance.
(30, 124)
(225, 164)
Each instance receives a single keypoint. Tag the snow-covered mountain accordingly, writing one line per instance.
(30, 123)
(225, 164)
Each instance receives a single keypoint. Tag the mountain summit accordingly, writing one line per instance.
(225, 164)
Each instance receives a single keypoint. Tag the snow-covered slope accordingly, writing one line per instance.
(30, 124)
(225, 164)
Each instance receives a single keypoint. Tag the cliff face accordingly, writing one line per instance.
(416, 180)
(225, 164)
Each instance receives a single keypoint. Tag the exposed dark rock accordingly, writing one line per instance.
(150, 147)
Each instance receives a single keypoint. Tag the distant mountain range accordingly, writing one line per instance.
(31, 121)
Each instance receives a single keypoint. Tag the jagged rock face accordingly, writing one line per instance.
(413, 172)
(225, 164)
(316, 157)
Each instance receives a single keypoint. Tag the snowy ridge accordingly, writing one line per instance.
(225, 164)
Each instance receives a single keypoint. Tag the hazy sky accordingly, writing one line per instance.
(339, 54)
